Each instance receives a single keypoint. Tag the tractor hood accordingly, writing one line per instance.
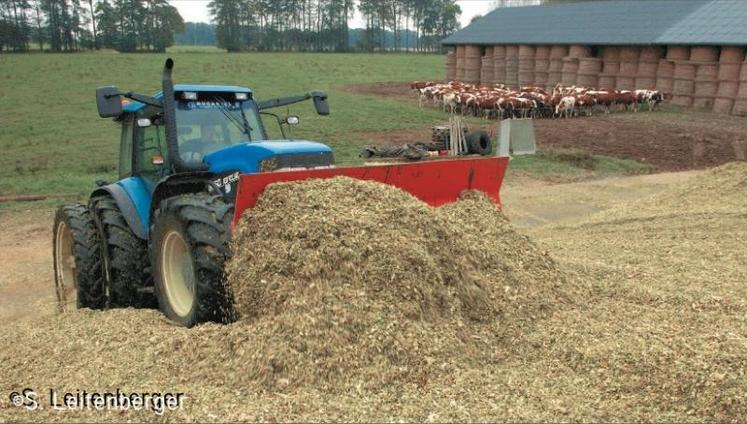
(247, 157)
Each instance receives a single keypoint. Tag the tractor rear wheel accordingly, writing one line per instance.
(189, 246)
(76, 251)
(126, 267)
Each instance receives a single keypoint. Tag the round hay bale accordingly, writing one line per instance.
(526, 51)
(682, 100)
(731, 54)
(588, 80)
(722, 105)
(665, 69)
(678, 53)
(705, 88)
(460, 63)
(629, 53)
(526, 78)
(555, 65)
(541, 65)
(729, 71)
(628, 69)
(451, 66)
(512, 51)
(540, 78)
(568, 78)
(707, 71)
(499, 52)
(472, 51)
(487, 71)
(740, 108)
(684, 70)
(683, 87)
(542, 52)
(558, 52)
(460, 51)
(607, 81)
(728, 89)
(610, 53)
(570, 65)
(743, 71)
(625, 83)
(704, 53)
(742, 91)
(526, 64)
(499, 72)
(488, 52)
(578, 50)
(554, 77)
(647, 69)
(703, 103)
(589, 65)
(651, 53)
(645, 83)
(472, 76)
(611, 67)
(664, 84)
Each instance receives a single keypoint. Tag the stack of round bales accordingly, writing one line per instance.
(629, 56)
(555, 67)
(706, 84)
(729, 66)
(472, 64)
(526, 64)
(499, 64)
(512, 66)
(610, 67)
(665, 75)
(683, 84)
(451, 66)
(460, 50)
(588, 71)
(648, 65)
(541, 65)
(486, 71)
(740, 104)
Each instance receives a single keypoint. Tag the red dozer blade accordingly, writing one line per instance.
(434, 182)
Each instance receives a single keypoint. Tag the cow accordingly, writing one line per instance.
(566, 106)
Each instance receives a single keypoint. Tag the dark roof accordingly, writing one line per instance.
(612, 22)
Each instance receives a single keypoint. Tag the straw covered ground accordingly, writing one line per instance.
(358, 302)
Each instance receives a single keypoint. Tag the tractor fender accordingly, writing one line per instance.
(126, 205)
(181, 183)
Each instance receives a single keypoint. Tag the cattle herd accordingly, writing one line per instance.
(499, 101)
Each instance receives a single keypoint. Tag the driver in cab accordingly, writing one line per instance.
(196, 148)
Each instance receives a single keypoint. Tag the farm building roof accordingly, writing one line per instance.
(612, 22)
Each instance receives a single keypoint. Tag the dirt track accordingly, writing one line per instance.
(668, 140)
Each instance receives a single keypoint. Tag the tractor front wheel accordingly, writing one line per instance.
(189, 247)
(77, 259)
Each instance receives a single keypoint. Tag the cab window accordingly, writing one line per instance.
(125, 148)
(151, 155)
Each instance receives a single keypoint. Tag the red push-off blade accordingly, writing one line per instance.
(435, 182)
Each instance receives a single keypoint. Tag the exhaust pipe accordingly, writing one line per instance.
(169, 118)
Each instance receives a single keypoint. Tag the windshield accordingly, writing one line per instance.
(206, 126)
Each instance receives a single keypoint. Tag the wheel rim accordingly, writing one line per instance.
(177, 273)
(67, 284)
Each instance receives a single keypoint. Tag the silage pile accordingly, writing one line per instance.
(358, 284)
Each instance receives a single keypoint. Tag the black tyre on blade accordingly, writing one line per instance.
(126, 267)
(76, 253)
(189, 246)
(478, 142)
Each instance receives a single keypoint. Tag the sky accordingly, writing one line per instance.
(196, 11)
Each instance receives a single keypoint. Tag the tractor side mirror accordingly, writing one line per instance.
(320, 102)
(108, 101)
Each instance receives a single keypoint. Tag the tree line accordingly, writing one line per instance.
(71, 25)
(238, 25)
(322, 25)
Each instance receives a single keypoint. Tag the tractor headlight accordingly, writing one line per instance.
(189, 95)
(269, 164)
(242, 96)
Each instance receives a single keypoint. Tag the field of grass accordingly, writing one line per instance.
(54, 142)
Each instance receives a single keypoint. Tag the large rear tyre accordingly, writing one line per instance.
(478, 142)
(189, 246)
(127, 279)
(76, 252)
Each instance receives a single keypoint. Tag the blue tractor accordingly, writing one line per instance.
(192, 158)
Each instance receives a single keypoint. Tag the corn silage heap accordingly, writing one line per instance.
(354, 283)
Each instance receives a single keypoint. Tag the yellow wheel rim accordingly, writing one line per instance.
(177, 273)
(67, 284)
